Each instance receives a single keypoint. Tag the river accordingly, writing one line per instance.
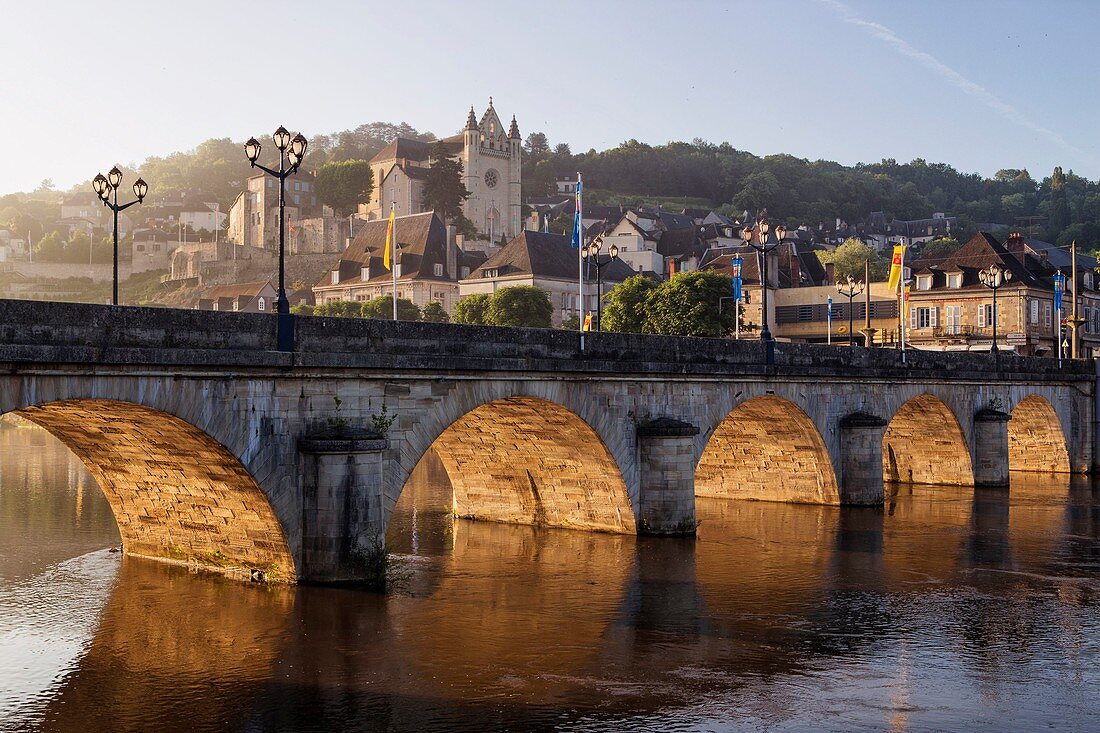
(948, 610)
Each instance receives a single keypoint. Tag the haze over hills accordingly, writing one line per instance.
(696, 174)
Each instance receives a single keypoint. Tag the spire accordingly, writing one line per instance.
(491, 106)
(471, 121)
(513, 131)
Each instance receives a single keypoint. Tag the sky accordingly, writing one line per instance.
(979, 85)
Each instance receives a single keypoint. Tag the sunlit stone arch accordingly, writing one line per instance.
(176, 492)
(1036, 441)
(925, 443)
(524, 453)
(767, 448)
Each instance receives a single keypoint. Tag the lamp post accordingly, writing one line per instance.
(850, 289)
(592, 250)
(106, 187)
(994, 277)
(762, 250)
(291, 151)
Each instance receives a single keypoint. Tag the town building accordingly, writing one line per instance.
(549, 262)
(150, 249)
(203, 216)
(254, 216)
(490, 157)
(656, 242)
(429, 264)
(950, 309)
(257, 297)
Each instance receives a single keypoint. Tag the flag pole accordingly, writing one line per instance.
(904, 305)
(578, 240)
(393, 254)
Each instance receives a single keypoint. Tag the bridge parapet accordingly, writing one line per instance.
(42, 332)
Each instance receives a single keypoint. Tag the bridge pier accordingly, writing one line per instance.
(991, 448)
(666, 457)
(861, 481)
(342, 515)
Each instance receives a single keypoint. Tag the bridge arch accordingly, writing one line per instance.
(1036, 441)
(925, 444)
(177, 493)
(525, 459)
(767, 448)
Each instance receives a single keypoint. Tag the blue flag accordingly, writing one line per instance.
(1059, 288)
(735, 270)
(578, 229)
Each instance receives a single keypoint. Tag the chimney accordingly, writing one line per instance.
(796, 269)
(830, 273)
(452, 253)
(1016, 246)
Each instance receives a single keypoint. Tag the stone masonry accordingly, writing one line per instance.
(217, 450)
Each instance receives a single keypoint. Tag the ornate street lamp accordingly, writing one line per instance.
(106, 187)
(994, 277)
(850, 289)
(292, 151)
(592, 250)
(762, 249)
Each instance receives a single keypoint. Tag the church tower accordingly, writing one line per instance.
(515, 203)
(470, 142)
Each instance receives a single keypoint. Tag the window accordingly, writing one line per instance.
(1047, 309)
(261, 303)
(438, 269)
(139, 247)
(953, 317)
(440, 296)
(214, 306)
(465, 272)
(156, 248)
(236, 305)
(985, 315)
(364, 273)
(335, 277)
(924, 282)
(1034, 315)
(955, 280)
(922, 317)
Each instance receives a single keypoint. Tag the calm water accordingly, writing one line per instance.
(946, 611)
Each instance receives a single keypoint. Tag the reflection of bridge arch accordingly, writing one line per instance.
(767, 449)
(529, 460)
(1035, 438)
(925, 444)
(177, 494)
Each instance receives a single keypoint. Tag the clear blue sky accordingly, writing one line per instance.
(980, 85)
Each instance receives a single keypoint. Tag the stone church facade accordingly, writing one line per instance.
(490, 158)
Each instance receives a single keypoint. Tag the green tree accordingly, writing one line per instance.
(536, 144)
(303, 309)
(434, 313)
(848, 259)
(344, 185)
(472, 309)
(688, 304)
(1059, 207)
(520, 305)
(572, 323)
(444, 191)
(339, 309)
(939, 247)
(625, 308)
(381, 308)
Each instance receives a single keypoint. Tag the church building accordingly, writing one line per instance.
(490, 158)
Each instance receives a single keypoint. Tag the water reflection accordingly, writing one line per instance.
(947, 608)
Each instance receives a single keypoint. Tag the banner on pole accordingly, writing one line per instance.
(1059, 289)
(895, 268)
(735, 270)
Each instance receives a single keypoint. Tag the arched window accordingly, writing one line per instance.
(261, 303)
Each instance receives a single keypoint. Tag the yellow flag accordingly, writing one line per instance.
(390, 244)
(587, 323)
(895, 268)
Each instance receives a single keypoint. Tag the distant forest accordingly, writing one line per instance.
(700, 174)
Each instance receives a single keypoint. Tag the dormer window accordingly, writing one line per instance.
(364, 273)
(335, 277)
(465, 272)
(954, 280)
(493, 272)
(261, 303)
(1089, 280)
(924, 282)
(437, 268)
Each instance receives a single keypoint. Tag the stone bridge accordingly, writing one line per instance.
(215, 449)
